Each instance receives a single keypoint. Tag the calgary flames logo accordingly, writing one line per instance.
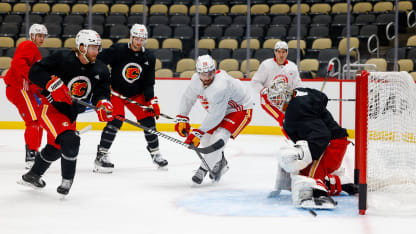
(131, 72)
(204, 102)
(80, 87)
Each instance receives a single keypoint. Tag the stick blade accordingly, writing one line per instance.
(214, 147)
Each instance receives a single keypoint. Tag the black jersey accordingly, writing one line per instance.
(306, 118)
(88, 82)
(132, 73)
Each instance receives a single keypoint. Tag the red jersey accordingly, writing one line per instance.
(26, 54)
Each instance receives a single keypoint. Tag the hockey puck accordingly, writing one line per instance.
(313, 213)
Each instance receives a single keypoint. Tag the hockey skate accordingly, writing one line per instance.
(199, 175)
(157, 157)
(30, 157)
(319, 202)
(220, 168)
(64, 187)
(32, 180)
(102, 161)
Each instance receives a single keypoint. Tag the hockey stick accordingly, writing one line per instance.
(84, 130)
(326, 76)
(138, 104)
(206, 150)
(200, 156)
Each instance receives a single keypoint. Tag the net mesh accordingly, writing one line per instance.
(391, 137)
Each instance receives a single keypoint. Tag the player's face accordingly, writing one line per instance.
(281, 55)
(39, 39)
(207, 77)
(92, 52)
(137, 43)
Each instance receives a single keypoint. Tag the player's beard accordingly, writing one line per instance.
(90, 58)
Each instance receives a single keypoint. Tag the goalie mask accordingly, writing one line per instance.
(279, 93)
(37, 29)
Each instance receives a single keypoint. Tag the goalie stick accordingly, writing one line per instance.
(138, 104)
(206, 150)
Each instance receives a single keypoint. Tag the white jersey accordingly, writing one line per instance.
(223, 96)
(269, 70)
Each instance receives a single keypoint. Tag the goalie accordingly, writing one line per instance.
(307, 168)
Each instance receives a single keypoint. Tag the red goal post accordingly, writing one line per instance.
(385, 151)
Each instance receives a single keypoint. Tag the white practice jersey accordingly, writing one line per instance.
(269, 70)
(223, 96)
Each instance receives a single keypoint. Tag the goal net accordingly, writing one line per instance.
(386, 142)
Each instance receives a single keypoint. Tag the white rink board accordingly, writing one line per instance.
(169, 92)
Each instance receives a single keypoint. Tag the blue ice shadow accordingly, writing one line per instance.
(257, 203)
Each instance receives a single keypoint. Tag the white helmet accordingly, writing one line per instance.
(37, 29)
(205, 63)
(280, 45)
(138, 30)
(279, 93)
(87, 37)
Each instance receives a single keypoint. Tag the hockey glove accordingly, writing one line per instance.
(154, 103)
(58, 90)
(105, 108)
(195, 137)
(182, 126)
(269, 108)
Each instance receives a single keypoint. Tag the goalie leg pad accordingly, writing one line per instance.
(295, 158)
(283, 182)
(310, 193)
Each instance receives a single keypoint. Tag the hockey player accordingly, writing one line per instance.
(277, 68)
(319, 150)
(21, 92)
(62, 76)
(229, 111)
(132, 76)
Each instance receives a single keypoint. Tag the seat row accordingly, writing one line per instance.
(309, 68)
(217, 9)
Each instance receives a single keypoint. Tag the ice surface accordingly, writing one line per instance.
(138, 198)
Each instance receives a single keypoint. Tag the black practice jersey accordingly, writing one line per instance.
(88, 82)
(132, 73)
(306, 118)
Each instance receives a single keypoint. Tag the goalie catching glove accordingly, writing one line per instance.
(154, 106)
(105, 108)
(195, 137)
(182, 126)
(59, 91)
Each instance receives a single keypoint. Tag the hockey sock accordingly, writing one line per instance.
(152, 139)
(68, 168)
(109, 133)
(48, 155)
(69, 142)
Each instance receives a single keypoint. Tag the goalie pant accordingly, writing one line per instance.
(307, 118)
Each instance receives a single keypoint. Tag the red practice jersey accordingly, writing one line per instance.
(26, 54)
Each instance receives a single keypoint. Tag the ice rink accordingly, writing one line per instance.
(138, 198)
